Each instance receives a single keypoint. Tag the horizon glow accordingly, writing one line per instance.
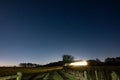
(80, 63)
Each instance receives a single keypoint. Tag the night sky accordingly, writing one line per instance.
(41, 31)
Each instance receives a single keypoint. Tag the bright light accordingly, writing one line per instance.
(80, 63)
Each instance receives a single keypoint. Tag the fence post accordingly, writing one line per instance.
(19, 76)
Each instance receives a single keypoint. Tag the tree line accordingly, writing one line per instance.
(69, 58)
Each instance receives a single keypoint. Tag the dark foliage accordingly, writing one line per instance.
(67, 58)
(108, 62)
(59, 63)
(28, 65)
(112, 61)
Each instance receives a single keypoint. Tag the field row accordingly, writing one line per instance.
(55, 75)
(60, 73)
(27, 73)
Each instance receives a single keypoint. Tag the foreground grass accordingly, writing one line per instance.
(27, 72)
(57, 76)
(43, 72)
(102, 71)
(46, 77)
(71, 77)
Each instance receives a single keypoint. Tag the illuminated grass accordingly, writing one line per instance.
(13, 70)
(57, 76)
(39, 76)
(71, 77)
(38, 73)
(27, 72)
(46, 76)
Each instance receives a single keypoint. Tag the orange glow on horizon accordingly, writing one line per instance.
(80, 63)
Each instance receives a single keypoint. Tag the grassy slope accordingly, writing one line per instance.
(27, 72)
(105, 71)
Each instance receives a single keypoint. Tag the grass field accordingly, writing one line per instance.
(58, 73)
(96, 72)
(27, 72)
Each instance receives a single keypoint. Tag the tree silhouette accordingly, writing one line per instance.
(67, 58)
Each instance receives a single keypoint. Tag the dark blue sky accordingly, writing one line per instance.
(41, 31)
